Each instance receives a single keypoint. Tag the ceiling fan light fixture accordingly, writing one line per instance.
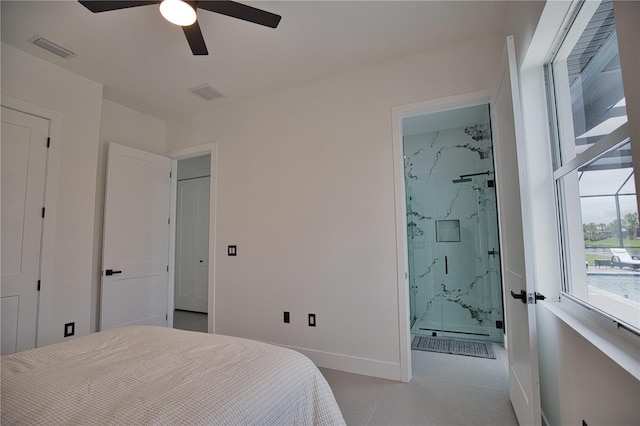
(178, 12)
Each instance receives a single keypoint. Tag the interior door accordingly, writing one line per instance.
(513, 210)
(135, 254)
(24, 157)
(192, 245)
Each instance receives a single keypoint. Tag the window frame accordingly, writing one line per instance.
(561, 132)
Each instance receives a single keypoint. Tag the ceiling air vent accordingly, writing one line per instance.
(206, 92)
(52, 47)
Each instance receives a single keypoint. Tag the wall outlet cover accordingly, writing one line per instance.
(312, 320)
(69, 329)
(232, 250)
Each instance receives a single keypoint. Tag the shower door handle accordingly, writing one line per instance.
(446, 265)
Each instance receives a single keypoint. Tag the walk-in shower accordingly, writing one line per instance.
(453, 245)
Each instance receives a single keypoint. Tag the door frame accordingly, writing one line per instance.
(47, 250)
(182, 154)
(402, 265)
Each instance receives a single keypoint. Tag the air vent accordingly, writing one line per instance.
(206, 92)
(52, 47)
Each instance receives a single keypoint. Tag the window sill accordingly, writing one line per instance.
(622, 346)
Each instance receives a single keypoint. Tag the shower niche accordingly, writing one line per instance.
(452, 225)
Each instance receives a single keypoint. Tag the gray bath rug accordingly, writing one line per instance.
(449, 345)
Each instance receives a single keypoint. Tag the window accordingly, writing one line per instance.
(593, 170)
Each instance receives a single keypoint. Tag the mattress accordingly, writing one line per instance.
(154, 375)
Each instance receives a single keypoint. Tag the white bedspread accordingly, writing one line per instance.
(155, 375)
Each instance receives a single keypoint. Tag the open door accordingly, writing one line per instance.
(515, 229)
(135, 252)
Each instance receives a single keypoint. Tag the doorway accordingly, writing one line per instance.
(455, 284)
(191, 297)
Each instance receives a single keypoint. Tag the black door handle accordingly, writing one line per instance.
(111, 272)
(523, 296)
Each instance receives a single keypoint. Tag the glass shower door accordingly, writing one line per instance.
(458, 292)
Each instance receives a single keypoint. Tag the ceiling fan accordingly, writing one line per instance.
(183, 13)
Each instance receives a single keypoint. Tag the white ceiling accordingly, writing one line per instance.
(144, 62)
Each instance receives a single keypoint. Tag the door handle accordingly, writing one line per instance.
(111, 272)
(522, 296)
(527, 298)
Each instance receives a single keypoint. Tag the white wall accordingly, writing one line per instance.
(306, 192)
(577, 380)
(79, 100)
(128, 127)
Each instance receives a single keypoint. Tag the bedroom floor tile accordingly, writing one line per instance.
(424, 401)
(357, 395)
(445, 390)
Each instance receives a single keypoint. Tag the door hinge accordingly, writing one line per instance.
(169, 174)
(169, 221)
(43, 212)
(166, 317)
(48, 142)
(167, 268)
(38, 285)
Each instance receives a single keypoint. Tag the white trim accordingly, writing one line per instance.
(402, 269)
(606, 143)
(50, 203)
(351, 364)
(172, 242)
(181, 154)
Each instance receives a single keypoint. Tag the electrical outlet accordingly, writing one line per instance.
(232, 250)
(286, 317)
(69, 329)
(312, 320)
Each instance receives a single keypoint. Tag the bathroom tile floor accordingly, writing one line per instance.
(445, 390)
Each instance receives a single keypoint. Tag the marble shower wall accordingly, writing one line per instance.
(462, 293)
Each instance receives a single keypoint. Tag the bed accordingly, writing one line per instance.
(155, 375)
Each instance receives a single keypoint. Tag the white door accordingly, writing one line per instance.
(24, 157)
(513, 202)
(192, 245)
(135, 251)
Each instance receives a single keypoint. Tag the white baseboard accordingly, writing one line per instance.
(352, 364)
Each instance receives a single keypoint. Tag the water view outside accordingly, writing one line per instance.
(626, 286)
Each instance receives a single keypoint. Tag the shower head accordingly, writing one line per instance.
(461, 180)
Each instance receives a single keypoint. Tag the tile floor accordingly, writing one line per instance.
(192, 321)
(445, 390)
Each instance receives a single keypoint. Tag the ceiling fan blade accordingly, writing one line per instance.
(105, 6)
(241, 11)
(195, 39)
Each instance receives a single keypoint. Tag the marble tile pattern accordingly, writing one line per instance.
(455, 285)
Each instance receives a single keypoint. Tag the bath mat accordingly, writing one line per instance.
(448, 345)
